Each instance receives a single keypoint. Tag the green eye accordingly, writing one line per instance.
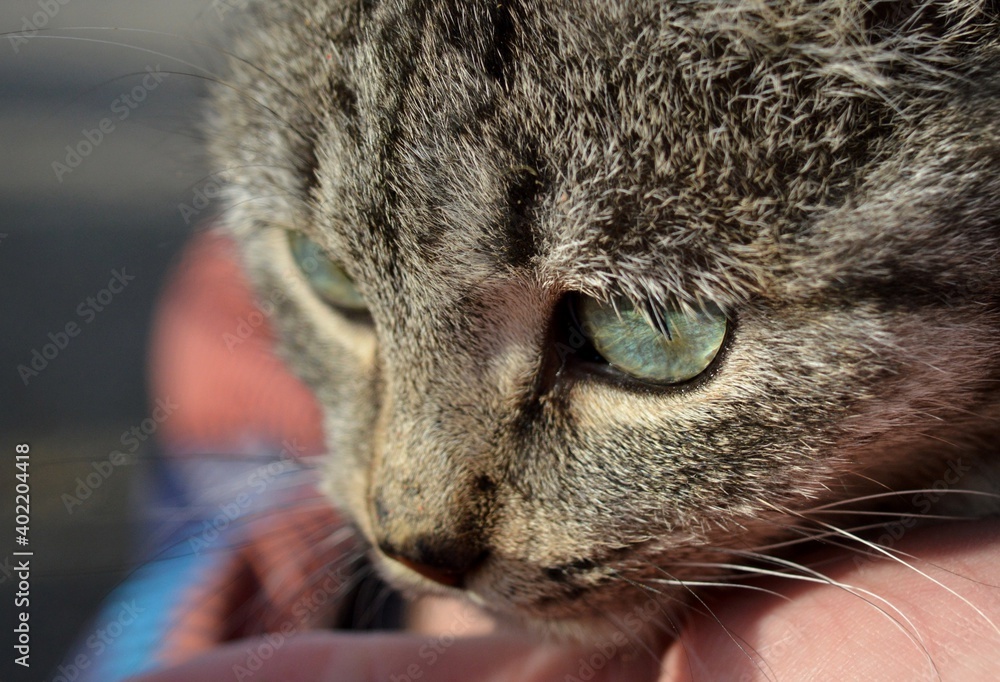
(325, 277)
(682, 350)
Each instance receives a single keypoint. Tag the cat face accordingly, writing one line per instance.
(596, 294)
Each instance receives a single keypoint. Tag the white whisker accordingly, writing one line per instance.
(892, 556)
(753, 655)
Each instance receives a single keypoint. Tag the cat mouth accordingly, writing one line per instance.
(412, 577)
(566, 598)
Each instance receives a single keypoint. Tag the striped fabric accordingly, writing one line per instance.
(239, 543)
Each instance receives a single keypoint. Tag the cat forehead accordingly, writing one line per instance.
(609, 141)
(666, 147)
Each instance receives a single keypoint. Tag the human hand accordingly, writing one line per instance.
(938, 618)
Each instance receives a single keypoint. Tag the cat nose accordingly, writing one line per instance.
(447, 562)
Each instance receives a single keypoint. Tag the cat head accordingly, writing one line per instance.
(595, 294)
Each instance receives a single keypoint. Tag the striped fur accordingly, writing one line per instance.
(825, 170)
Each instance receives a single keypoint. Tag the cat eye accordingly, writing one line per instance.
(326, 278)
(678, 347)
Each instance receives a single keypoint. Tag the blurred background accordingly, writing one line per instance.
(79, 207)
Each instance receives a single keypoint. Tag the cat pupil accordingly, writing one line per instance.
(677, 348)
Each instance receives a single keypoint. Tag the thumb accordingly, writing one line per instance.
(323, 657)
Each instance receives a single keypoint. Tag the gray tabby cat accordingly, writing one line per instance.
(594, 294)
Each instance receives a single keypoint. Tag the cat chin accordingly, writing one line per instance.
(598, 618)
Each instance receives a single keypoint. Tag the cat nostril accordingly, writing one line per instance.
(444, 577)
(445, 563)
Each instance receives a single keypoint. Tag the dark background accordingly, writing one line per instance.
(59, 243)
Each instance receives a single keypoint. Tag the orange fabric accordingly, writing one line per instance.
(285, 576)
(212, 355)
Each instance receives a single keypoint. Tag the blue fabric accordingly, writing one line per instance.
(183, 498)
(142, 607)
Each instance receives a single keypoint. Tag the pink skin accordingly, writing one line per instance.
(816, 631)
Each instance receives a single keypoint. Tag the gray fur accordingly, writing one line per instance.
(827, 171)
